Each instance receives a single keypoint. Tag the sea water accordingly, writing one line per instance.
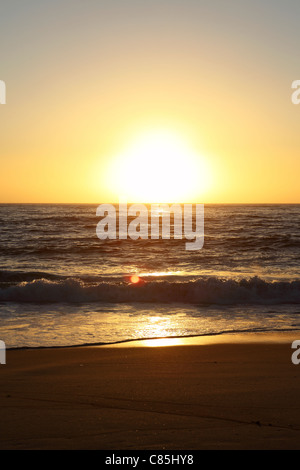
(60, 285)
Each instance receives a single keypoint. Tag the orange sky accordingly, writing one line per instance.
(86, 79)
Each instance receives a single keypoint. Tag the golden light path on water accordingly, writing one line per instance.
(160, 273)
(158, 328)
(160, 342)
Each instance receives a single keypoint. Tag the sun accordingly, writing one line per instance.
(159, 167)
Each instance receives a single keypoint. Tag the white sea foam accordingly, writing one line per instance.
(212, 290)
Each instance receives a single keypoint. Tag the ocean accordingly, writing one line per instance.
(60, 285)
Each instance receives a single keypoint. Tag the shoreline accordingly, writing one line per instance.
(194, 339)
(274, 336)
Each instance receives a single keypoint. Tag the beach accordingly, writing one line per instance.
(149, 227)
(226, 392)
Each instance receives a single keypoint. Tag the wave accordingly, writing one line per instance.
(204, 291)
(7, 276)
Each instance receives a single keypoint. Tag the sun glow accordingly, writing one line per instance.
(159, 166)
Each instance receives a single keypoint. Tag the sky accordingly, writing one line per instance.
(92, 84)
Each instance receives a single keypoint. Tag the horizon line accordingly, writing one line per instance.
(147, 203)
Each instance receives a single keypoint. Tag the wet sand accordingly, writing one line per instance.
(212, 393)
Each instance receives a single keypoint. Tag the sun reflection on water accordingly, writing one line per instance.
(159, 331)
(159, 342)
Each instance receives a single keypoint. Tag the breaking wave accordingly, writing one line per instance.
(212, 290)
